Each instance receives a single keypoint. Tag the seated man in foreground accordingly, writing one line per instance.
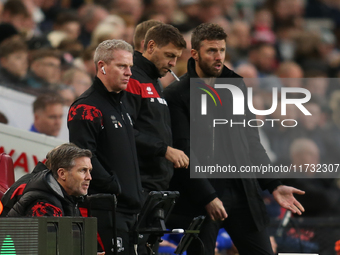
(57, 190)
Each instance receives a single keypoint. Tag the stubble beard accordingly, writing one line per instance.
(208, 70)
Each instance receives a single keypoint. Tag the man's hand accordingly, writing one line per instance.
(284, 197)
(177, 157)
(101, 253)
(216, 210)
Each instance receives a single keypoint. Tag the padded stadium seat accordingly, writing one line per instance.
(6, 173)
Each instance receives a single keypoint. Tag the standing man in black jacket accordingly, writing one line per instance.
(149, 111)
(234, 204)
(99, 122)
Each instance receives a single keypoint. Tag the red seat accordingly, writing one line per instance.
(6, 173)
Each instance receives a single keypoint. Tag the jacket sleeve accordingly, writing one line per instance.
(257, 153)
(146, 144)
(199, 190)
(85, 124)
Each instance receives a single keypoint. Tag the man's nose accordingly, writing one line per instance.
(88, 176)
(128, 71)
(172, 62)
(218, 55)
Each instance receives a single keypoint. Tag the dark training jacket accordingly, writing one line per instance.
(98, 121)
(244, 148)
(151, 118)
(44, 196)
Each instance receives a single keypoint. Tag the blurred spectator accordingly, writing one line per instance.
(307, 48)
(74, 47)
(85, 61)
(332, 129)
(55, 37)
(77, 79)
(90, 16)
(7, 30)
(293, 72)
(285, 10)
(310, 128)
(209, 9)
(263, 57)
(191, 10)
(169, 10)
(38, 43)
(140, 31)
(69, 23)
(14, 63)
(289, 69)
(239, 41)
(286, 35)
(48, 113)
(44, 69)
(305, 151)
(112, 27)
(129, 28)
(134, 8)
(317, 84)
(262, 27)
(16, 13)
(281, 137)
(67, 93)
(249, 73)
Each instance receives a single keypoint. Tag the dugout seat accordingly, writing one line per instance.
(6, 173)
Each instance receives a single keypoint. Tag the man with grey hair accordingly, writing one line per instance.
(55, 190)
(98, 121)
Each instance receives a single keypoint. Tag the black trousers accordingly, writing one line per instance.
(124, 223)
(239, 225)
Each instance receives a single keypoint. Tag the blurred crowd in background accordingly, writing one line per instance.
(47, 46)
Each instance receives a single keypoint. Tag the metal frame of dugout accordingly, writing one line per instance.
(48, 236)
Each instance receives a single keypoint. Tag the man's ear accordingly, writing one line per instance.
(151, 46)
(62, 173)
(142, 45)
(194, 54)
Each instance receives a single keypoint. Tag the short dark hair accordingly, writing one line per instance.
(63, 156)
(43, 100)
(141, 30)
(66, 17)
(16, 7)
(12, 45)
(43, 53)
(163, 34)
(206, 31)
(88, 53)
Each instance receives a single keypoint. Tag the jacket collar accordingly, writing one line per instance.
(39, 167)
(146, 65)
(112, 96)
(58, 189)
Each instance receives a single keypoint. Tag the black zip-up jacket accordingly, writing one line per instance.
(44, 196)
(245, 148)
(15, 192)
(98, 121)
(150, 115)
